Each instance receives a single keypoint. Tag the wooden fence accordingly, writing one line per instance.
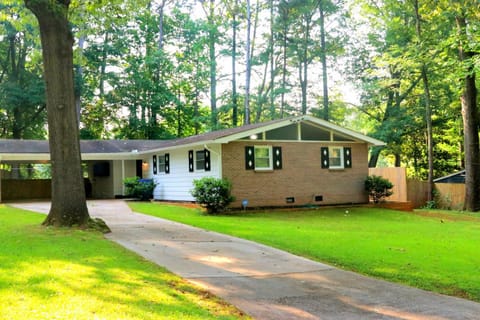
(25, 189)
(447, 195)
(398, 177)
(450, 195)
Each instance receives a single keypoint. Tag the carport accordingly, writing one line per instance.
(106, 164)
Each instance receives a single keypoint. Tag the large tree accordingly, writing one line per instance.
(470, 118)
(68, 194)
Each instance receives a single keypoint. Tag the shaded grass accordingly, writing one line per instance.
(51, 273)
(432, 251)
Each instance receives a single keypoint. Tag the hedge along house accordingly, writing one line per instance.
(296, 161)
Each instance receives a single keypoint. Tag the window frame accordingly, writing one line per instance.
(270, 157)
(197, 161)
(340, 156)
(161, 163)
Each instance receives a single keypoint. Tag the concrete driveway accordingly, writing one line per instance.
(264, 282)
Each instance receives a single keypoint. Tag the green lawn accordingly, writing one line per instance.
(48, 273)
(437, 252)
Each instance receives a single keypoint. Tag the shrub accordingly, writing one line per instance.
(212, 193)
(378, 188)
(139, 188)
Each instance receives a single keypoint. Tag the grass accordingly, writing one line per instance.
(433, 251)
(51, 273)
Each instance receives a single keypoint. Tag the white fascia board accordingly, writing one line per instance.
(25, 156)
(112, 156)
(85, 156)
(180, 146)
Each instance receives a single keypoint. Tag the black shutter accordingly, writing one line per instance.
(207, 160)
(249, 158)
(190, 161)
(324, 157)
(347, 157)
(167, 163)
(154, 164)
(277, 158)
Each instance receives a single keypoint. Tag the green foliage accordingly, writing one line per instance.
(22, 102)
(139, 188)
(378, 188)
(386, 62)
(212, 193)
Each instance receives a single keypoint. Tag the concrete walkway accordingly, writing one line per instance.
(264, 282)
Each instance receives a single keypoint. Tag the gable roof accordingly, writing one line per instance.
(232, 134)
(130, 149)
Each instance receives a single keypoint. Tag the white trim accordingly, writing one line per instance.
(342, 162)
(270, 157)
(161, 155)
(195, 160)
(85, 156)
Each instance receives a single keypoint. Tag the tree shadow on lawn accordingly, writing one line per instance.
(81, 272)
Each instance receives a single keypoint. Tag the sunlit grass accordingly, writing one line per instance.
(437, 252)
(50, 273)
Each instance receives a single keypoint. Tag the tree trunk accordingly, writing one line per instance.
(272, 61)
(284, 73)
(248, 67)
(284, 12)
(323, 58)
(374, 156)
(470, 126)
(79, 67)
(161, 8)
(68, 194)
(428, 110)
(303, 64)
(212, 38)
(234, 67)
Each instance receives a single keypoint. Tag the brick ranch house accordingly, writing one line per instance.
(295, 161)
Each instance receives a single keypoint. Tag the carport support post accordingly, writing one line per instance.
(1, 169)
(123, 177)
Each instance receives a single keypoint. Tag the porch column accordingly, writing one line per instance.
(123, 177)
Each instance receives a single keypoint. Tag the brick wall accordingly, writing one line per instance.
(301, 176)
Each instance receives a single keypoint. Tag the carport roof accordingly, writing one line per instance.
(86, 146)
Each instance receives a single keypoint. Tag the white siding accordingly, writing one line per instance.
(177, 184)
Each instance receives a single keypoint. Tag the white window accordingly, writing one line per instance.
(335, 158)
(161, 163)
(263, 158)
(200, 160)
